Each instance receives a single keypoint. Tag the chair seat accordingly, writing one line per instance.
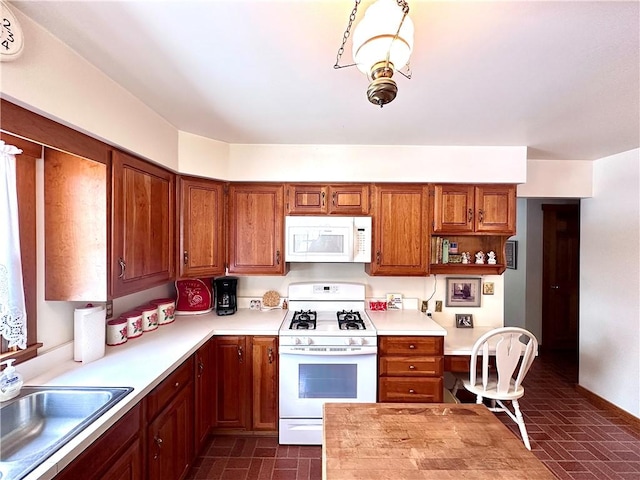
(491, 392)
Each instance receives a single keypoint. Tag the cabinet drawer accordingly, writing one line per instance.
(457, 363)
(411, 366)
(411, 345)
(406, 389)
(170, 386)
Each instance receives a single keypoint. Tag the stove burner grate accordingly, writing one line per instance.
(350, 320)
(303, 320)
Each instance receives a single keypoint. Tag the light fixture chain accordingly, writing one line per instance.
(346, 34)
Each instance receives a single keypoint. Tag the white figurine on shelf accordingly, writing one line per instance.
(465, 257)
(480, 257)
(492, 258)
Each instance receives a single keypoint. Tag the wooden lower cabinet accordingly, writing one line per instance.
(232, 367)
(410, 369)
(170, 417)
(116, 455)
(264, 360)
(170, 439)
(247, 383)
(204, 393)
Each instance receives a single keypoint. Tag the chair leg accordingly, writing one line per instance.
(479, 399)
(520, 422)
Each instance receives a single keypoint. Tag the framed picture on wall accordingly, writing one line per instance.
(511, 254)
(463, 292)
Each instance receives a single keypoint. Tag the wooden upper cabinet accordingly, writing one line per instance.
(400, 230)
(256, 229)
(484, 209)
(143, 249)
(320, 199)
(75, 227)
(202, 239)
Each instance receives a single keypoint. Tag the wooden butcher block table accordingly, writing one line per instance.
(402, 441)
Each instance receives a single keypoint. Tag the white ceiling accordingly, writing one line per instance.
(559, 77)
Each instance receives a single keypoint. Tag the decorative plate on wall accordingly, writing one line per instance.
(11, 37)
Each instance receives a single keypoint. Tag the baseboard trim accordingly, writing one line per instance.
(632, 420)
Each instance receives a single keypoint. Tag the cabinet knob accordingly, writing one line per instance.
(470, 215)
(123, 267)
(323, 194)
(333, 199)
(412, 367)
(378, 257)
(158, 441)
(480, 216)
(270, 354)
(185, 257)
(278, 257)
(177, 385)
(240, 354)
(412, 347)
(200, 368)
(411, 390)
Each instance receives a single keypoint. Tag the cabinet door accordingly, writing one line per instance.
(127, 466)
(310, 199)
(453, 208)
(204, 396)
(232, 367)
(349, 199)
(495, 209)
(143, 225)
(256, 229)
(202, 238)
(116, 455)
(264, 355)
(400, 245)
(170, 439)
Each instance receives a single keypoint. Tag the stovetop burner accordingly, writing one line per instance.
(303, 320)
(350, 320)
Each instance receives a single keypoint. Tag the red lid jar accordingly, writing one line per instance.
(149, 317)
(117, 331)
(134, 323)
(166, 310)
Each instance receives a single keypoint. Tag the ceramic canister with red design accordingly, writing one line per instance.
(117, 331)
(166, 310)
(134, 323)
(149, 317)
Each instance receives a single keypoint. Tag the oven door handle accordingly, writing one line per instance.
(325, 353)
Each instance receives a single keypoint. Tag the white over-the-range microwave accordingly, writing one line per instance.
(328, 239)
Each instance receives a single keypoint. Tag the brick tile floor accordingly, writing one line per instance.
(573, 438)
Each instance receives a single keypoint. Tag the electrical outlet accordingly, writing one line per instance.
(438, 305)
(109, 308)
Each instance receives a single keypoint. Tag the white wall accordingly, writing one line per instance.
(610, 282)
(557, 179)
(53, 80)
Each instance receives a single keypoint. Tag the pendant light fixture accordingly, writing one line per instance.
(382, 45)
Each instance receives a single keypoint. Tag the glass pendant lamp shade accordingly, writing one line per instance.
(373, 37)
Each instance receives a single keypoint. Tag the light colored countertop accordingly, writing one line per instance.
(142, 363)
(405, 322)
(411, 441)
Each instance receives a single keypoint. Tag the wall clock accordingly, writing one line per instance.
(11, 37)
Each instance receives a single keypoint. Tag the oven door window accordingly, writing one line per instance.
(328, 381)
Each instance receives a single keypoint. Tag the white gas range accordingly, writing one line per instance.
(328, 353)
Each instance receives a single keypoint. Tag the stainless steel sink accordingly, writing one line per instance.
(42, 419)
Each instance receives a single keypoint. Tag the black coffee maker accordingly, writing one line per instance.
(226, 298)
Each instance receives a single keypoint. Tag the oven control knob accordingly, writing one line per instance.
(304, 340)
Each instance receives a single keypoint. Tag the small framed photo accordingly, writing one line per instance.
(464, 320)
(463, 292)
(511, 254)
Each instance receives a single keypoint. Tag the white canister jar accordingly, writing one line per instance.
(134, 323)
(166, 310)
(117, 331)
(149, 317)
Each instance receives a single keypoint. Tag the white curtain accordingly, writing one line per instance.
(13, 313)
